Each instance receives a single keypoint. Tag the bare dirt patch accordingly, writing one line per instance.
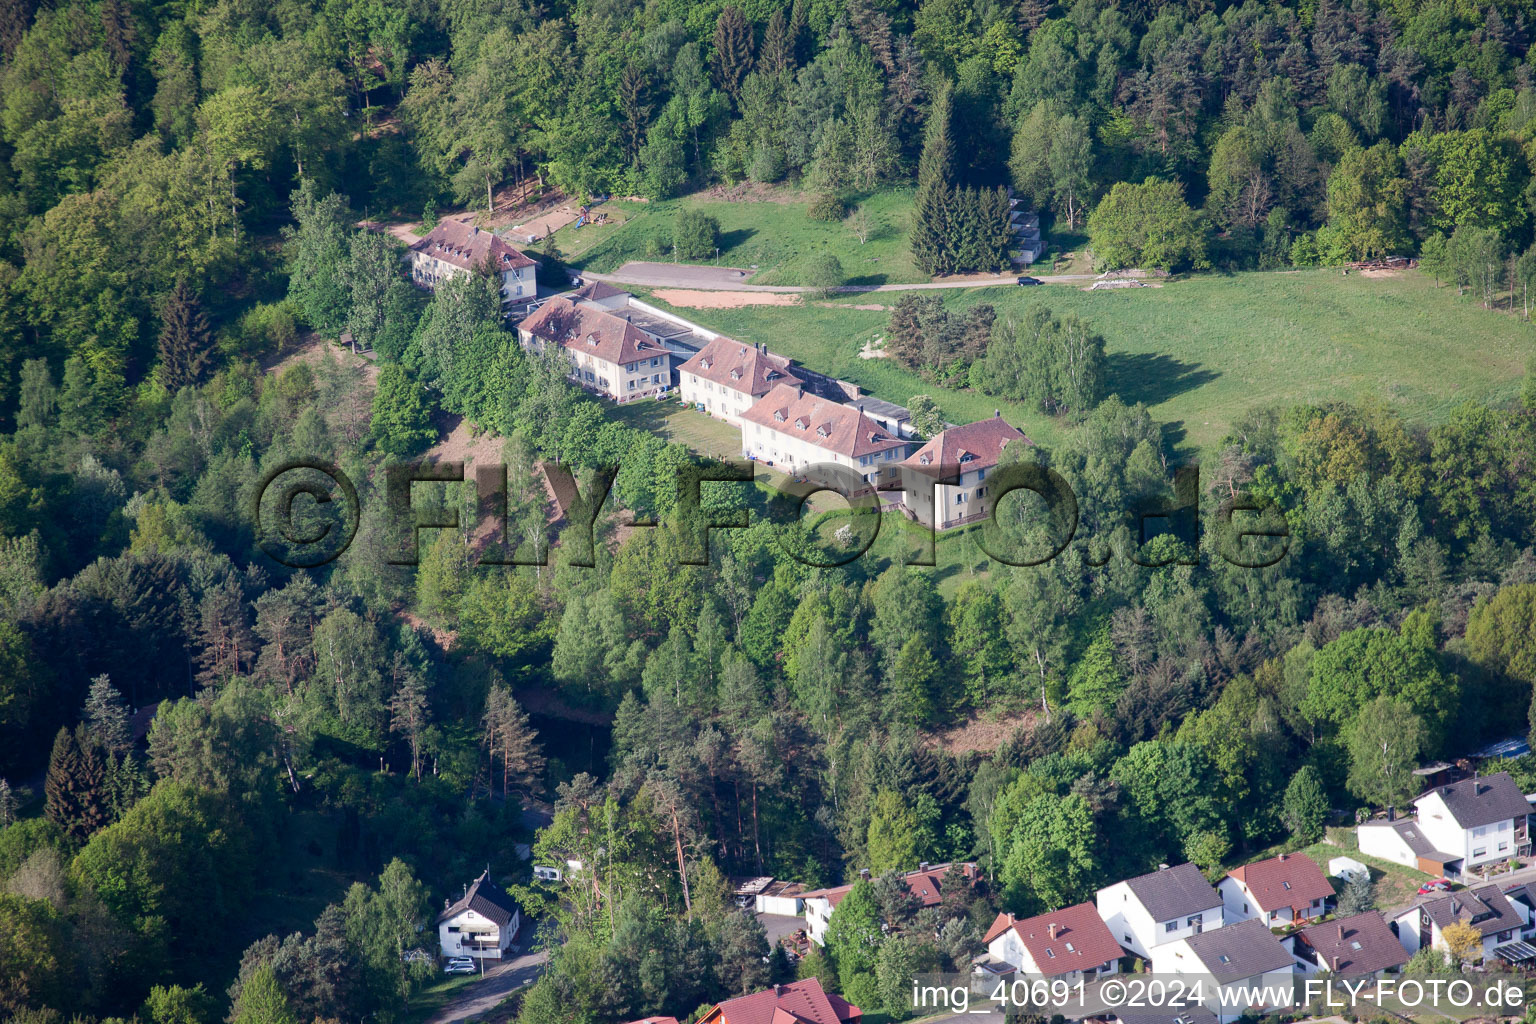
(724, 300)
(873, 349)
(1380, 272)
(980, 734)
(459, 443)
(750, 192)
(313, 349)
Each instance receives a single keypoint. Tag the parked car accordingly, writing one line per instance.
(459, 965)
(1029, 280)
(1434, 885)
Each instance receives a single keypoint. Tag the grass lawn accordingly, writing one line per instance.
(771, 234)
(432, 998)
(1203, 351)
(672, 421)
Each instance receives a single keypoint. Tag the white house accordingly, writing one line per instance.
(608, 354)
(1478, 820)
(1244, 963)
(1072, 943)
(454, 247)
(962, 456)
(484, 923)
(1167, 904)
(1278, 891)
(792, 429)
(1484, 908)
(1402, 841)
(1349, 947)
(725, 377)
(927, 884)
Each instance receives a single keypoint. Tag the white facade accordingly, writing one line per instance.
(1238, 905)
(818, 914)
(517, 284)
(1232, 997)
(1415, 931)
(1382, 839)
(956, 504)
(468, 933)
(1008, 948)
(793, 454)
(1134, 927)
(621, 382)
(718, 399)
(1481, 845)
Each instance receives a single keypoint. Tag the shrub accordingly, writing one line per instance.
(826, 206)
(695, 235)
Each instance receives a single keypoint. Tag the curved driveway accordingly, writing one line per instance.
(708, 278)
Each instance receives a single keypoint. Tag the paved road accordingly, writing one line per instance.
(483, 996)
(681, 275)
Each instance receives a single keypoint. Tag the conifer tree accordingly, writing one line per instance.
(931, 228)
(7, 805)
(184, 339)
(778, 50)
(106, 716)
(733, 51)
(408, 710)
(512, 742)
(73, 789)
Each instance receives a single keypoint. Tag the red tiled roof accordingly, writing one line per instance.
(982, 441)
(740, 367)
(1078, 940)
(927, 884)
(1362, 944)
(1290, 880)
(466, 246)
(836, 428)
(586, 329)
(799, 1002)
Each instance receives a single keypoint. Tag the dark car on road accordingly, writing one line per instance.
(1029, 280)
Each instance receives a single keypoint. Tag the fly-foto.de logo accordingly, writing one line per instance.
(306, 513)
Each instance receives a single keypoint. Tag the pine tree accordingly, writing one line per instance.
(778, 50)
(408, 710)
(733, 50)
(75, 800)
(106, 715)
(184, 339)
(512, 742)
(932, 231)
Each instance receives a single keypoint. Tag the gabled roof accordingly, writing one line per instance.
(597, 291)
(1484, 908)
(800, 1001)
(1481, 801)
(485, 898)
(927, 884)
(827, 425)
(1362, 944)
(1290, 880)
(1242, 950)
(740, 367)
(467, 246)
(1070, 939)
(967, 447)
(1174, 892)
(584, 328)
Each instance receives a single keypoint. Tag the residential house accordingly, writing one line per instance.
(608, 354)
(1484, 907)
(1279, 891)
(1479, 820)
(1167, 904)
(961, 457)
(790, 429)
(483, 924)
(725, 377)
(928, 884)
(799, 1002)
(1246, 966)
(1523, 899)
(1402, 841)
(453, 247)
(1071, 943)
(1349, 947)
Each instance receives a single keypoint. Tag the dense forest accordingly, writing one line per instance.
(232, 790)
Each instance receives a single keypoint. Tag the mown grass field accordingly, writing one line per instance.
(1203, 351)
(772, 235)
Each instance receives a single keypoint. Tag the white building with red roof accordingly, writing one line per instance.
(791, 429)
(1278, 891)
(608, 353)
(726, 376)
(453, 247)
(927, 884)
(799, 1002)
(963, 455)
(1069, 943)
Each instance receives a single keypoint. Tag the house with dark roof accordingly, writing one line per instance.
(1163, 905)
(453, 247)
(1349, 947)
(928, 883)
(1479, 820)
(608, 354)
(792, 429)
(1523, 899)
(726, 376)
(1484, 907)
(799, 1002)
(1244, 963)
(943, 482)
(1402, 841)
(1279, 891)
(484, 923)
(1071, 943)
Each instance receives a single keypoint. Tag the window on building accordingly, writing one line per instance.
(1171, 926)
(960, 499)
(1483, 852)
